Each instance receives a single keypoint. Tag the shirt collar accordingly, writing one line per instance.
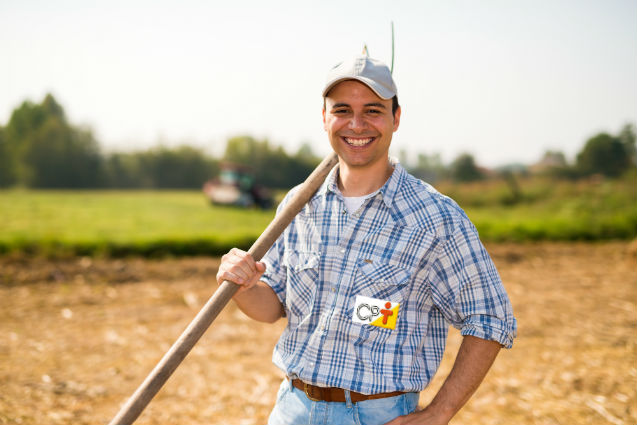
(388, 191)
(329, 185)
(390, 188)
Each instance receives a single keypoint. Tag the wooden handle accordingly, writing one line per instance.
(173, 358)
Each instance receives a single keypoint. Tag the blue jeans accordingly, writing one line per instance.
(294, 408)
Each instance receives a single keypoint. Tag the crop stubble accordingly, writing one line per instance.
(78, 336)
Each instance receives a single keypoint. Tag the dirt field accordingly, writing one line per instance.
(78, 336)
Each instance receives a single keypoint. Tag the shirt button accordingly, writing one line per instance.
(342, 250)
(333, 289)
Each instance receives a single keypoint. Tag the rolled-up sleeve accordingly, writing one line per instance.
(275, 271)
(467, 288)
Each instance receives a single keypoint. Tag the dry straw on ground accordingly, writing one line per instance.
(77, 337)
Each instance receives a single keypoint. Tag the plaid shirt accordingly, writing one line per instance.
(408, 244)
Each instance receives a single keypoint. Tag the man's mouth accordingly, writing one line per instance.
(358, 141)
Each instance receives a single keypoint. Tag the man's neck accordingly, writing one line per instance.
(360, 181)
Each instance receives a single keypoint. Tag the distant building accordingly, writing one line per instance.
(550, 161)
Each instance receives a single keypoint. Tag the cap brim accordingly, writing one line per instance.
(380, 91)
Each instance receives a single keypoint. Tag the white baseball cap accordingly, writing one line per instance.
(371, 72)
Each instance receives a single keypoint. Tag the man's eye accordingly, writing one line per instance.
(373, 111)
(340, 111)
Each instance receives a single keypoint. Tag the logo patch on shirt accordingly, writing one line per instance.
(375, 312)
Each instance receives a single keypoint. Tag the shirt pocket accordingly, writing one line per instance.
(387, 282)
(382, 280)
(302, 279)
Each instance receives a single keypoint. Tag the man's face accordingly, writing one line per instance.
(359, 124)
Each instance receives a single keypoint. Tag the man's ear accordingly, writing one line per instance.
(397, 118)
(324, 124)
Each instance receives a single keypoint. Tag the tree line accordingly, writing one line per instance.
(40, 148)
(604, 154)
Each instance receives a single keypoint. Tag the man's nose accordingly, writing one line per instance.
(357, 123)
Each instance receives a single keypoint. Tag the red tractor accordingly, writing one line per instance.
(236, 186)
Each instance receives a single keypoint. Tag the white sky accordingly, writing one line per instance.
(502, 79)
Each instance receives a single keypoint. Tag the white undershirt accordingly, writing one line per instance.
(353, 203)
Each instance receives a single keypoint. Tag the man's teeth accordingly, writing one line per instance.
(358, 142)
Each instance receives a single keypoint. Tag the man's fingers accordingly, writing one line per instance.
(232, 277)
(237, 260)
(239, 267)
(243, 259)
(260, 267)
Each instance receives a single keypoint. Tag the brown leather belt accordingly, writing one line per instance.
(315, 393)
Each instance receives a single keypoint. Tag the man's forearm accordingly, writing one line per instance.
(260, 303)
(473, 361)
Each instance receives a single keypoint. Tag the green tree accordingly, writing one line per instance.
(24, 121)
(302, 163)
(49, 152)
(246, 150)
(182, 168)
(7, 162)
(271, 166)
(63, 157)
(122, 170)
(627, 137)
(603, 154)
(428, 168)
(161, 167)
(305, 154)
(464, 169)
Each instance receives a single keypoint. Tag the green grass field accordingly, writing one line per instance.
(123, 222)
(550, 210)
(155, 223)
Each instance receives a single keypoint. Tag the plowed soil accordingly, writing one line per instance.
(78, 336)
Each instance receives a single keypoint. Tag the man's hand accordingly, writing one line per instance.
(422, 417)
(255, 298)
(239, 267)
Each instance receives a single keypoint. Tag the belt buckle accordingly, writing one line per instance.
(307, 394)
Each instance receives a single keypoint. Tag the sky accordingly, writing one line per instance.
(503, 80)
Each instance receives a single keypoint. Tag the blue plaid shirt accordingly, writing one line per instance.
(407, 244)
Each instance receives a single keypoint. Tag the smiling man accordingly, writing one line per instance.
(370, 275)
(359, 126)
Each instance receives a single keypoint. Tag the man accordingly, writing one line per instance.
(369, 276)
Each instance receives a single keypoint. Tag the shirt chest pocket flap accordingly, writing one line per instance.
(302, 275)
(382, 280)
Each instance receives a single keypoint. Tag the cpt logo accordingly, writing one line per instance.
(370, 311)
